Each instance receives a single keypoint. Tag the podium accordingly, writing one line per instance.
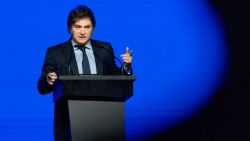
(96, 105)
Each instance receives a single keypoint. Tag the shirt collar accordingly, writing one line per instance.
(88, 45)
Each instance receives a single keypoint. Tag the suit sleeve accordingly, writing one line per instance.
(117, 70)
(49, 66)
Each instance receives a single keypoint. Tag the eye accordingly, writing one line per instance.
(77, 26)
(88, 26)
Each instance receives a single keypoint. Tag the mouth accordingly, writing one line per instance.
(82, 37)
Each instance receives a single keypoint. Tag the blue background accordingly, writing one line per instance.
(179, 51)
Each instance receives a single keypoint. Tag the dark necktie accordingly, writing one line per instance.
(85, 61)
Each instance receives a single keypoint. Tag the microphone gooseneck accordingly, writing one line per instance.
(111, 53)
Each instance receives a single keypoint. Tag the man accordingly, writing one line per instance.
(79, 55)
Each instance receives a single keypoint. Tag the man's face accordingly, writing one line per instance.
(81, 31)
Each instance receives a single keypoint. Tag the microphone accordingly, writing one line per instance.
(67, 64)
(69, 61)
(113, 55)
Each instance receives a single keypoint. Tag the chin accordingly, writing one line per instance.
(82, 42)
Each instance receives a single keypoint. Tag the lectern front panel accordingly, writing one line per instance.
(97, 120)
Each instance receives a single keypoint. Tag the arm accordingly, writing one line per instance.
(126, 68)
(48, 76)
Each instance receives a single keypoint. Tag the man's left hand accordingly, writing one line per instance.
(127, 57)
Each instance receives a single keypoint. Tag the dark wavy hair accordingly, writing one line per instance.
(79, 12)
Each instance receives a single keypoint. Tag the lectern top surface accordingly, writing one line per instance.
(97, 77)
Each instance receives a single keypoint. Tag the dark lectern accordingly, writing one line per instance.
(96, 105)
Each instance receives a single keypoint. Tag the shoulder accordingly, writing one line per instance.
(98, 43)
(59, 47)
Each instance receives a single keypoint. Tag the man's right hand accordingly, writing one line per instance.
(51, 78)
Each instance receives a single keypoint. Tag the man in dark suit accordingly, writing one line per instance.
(78, 55)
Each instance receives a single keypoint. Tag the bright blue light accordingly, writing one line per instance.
(179, 60)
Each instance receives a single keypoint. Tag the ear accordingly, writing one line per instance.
(70, 31)
(93, 29)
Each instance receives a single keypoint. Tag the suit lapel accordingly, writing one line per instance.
(70, 56)
(98, 57)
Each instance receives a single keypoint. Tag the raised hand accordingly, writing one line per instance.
(127, 57)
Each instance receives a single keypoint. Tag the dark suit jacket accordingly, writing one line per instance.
(61, 59)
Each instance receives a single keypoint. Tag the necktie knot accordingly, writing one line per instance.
(81, 47)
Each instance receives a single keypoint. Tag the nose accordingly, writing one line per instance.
(82, 31)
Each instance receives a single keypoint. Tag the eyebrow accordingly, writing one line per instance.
(89, 25)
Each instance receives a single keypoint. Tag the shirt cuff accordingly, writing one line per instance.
(127, 68)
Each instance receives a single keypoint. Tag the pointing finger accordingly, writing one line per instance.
(127, 50)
